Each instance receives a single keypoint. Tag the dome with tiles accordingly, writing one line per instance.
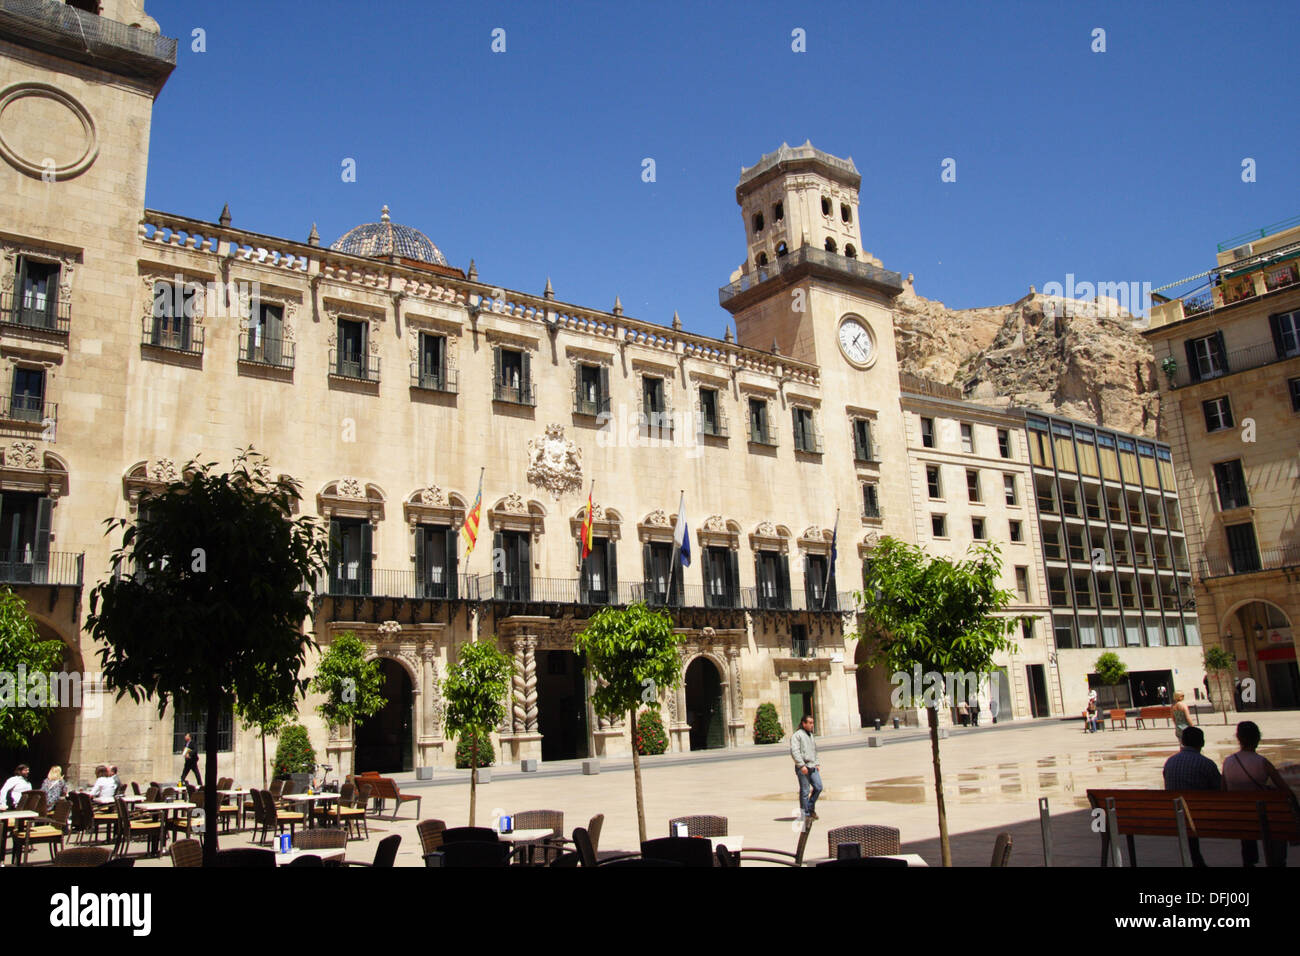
(387, 238)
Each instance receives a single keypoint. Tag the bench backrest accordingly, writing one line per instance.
(1119, 714)
(1230, 814)
(1155, 713)
(384, 787)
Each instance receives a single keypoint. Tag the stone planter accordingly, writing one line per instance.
(423, 773)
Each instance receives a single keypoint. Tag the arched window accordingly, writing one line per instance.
(830, 245)
(758, 222)
(850, 252)
(90, 6)
(781, 249)
(778, 212)
(846, 214)
(826, 205)
(762, 259)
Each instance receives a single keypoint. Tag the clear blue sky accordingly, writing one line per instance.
(1116, 166)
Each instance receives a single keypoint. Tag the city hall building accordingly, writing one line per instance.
(386, 381)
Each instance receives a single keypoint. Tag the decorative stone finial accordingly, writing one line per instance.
(473, 271)
(776, 348)
(224, 221)
(1033, 291)
(383, 214)
(313, 239)
(728, 337)
(618, 306)
(549, 293)
(677, 322)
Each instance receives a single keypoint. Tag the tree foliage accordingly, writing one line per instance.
(1219, 662)
(474, 699)
(294, 753)
(947, 616)
(23, 714)
(767, 725)
(209, 595)
(1110, 669)
(352, 686)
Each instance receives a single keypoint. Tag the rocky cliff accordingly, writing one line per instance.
(1084, 360)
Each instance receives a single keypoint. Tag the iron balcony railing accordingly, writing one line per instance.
(15, 311)
(501, 586)
(29, 408)
(712, 423)
(59, 568)
(53, 22)
(515, 394)
(817, 257)
(353, 365)
(380, 583)
(1250, 562)
(1238, 360)
(590, 404)
(262, 350)
(871, 510)
(656, 419)
(186, 338)
(433, 379)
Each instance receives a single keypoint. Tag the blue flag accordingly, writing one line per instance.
(682, 534)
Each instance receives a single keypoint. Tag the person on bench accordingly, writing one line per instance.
(1247, 770)
(1091, 713)
(1190, 770)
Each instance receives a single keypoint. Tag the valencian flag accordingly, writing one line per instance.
(469, 531)
(586, 525)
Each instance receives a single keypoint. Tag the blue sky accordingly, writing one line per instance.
(1119, 166)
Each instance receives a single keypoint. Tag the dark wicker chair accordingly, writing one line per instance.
(550, 846)
(474, 853)
(1001, 850)
(585, 849)
(245, 856)
(385, 854)
(702, 825)
(320, 838)
(153, 794)
(273, 818)
(768, 855)
(33, 800)
(50, 830)
(309, 860)
(469, 835)
(83, 856)
(430, 834)
(874, 840)
(128, 829)
(187, 853)
(688, 851)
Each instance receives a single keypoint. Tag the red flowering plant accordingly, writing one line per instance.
(650, 735)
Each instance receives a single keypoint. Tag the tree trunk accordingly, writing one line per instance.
(473, 776)
(210, 812)
(264, 786)
(932, 715)
(636, 774)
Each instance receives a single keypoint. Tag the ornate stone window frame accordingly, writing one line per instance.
(288, 300)
(658, 525)
(432, 505)
(450, 329)
(513, 513)
(717, 531)
(150, 476)
(28, 468)
(607, 523)
(349, 497)
(373, 317)
(868, 544)
(201, 282)
(815, 540)
(769, 537)
(67, 258)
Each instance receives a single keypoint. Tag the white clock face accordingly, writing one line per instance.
(855, 342)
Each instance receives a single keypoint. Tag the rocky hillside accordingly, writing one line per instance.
(1083, 360)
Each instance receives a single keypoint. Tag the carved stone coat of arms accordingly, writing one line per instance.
(555, 462)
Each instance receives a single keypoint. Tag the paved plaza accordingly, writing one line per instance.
(994, 776)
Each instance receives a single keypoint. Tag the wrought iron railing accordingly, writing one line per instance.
(161, 334)
(262, 350)
(521, 394)
(377, 582)
(590, 405)
(29, 408)
(1250, 562)
(60, 568)
(14, 312)
(433, 380)
(1238, 360)
(356, 366)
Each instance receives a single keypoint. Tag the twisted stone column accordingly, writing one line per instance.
(530, 685)
(519, 710)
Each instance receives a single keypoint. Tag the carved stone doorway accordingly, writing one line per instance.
(384, 741)
(562, 704)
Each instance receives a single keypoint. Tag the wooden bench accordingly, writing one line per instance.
(1119, 714)
(385, 788)
(1165, 713)
(1210, 814)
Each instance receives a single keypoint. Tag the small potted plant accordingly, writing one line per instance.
(767, 725)
(1170, 367)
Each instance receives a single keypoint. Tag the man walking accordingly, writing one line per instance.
(191, 755)
(804, 751)
(1190, 770)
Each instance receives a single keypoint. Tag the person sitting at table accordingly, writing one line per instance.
(117, 781)
(15, 787)
(55, 787)
(104, 789)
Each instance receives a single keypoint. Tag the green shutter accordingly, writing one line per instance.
(449, 571)
(422, 575)
(611, 570)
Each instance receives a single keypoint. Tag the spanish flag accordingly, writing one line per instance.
(586, 525)
(469, 531)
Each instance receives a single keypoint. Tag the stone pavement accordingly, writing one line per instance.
(993, 778)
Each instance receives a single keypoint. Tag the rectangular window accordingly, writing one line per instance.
(173, 308)
(433, 362)
(800, 646)
(512, 377)
(1027, 629)
(1004, 443)
(27, 400)
(720, 571)
(973, 485)
(513, 577)
(1243, 551)
(599, 583)
(1231, 482)
(264, 342)
(967, 438)
(350, 556)
(1022, 583)
(805, 439)
(1286, 333)
(1218, 414)
(1087, 632)
(939, 526)
(1206, 357)
(927, 432)
(1015, 532)
(710, 423)
(593, 390)
(37, 294)
(977, 529)
(759, 433)
(772, 578)
(195, 723)
(435, 561)
(352, 357)
(662, 572)
(870, 503)
(933, 481)
(1009, 487)
(1063, 632)
(862, 450)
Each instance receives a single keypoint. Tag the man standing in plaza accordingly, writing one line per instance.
(191, 755)
(1190, 770)
(804, 751)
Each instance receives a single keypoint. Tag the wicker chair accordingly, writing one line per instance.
(153, 793)
(535, 820)
(430, 833)
(874, 840)
(187, 853)
(703, 825)
(50, 830)
(687, 851)
(135, 788)
(385, 854)
(128, 828)
(321, 839)
(259, 817)
(308, 860)
(33, 800)
(1001, 850)
(83, 856)
(79, 818)
(352, 813)
(273, 817)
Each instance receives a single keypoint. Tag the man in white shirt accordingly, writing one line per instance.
(15, 787)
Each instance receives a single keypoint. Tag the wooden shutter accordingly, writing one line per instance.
(758, 579)
(449, 569)
(497, 380)
(809, 581)
(611, 570)
(423, 578)
(602, 399)
(706, 572)
(17, 303)
(44, 509)
(1222, 352)
(498, 574)
(363, 559)
(272, 333)
(1275, 326)
(648, 573)
(799, 443)
(525, 569)
(783, 581)
(52, 296)
(733, 577)
(584, 576)
(525, 378)
(1193, 366)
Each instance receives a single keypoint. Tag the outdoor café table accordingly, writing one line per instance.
(309, 799)
(532, 835)
(5, 817)
(912, 859)
(239, 802)
(126, 798)
(284, 859)
(162, 809)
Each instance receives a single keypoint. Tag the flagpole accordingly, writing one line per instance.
(830, 560)
(677, 555)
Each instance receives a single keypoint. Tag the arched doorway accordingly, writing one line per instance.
(704, 705)
(384, 741)
(67, 694)
(1264, 639)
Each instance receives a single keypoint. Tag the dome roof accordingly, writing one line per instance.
(387, 238)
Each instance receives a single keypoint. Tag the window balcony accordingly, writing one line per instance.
(433, 380)
(30, 410)
(1251, 562)
(261, 350)
(516, 394)
(1238, 360)
(379, 583)
(593, 404)
(172, 338)
(354, 366)
(57, 568)
(14, 317)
